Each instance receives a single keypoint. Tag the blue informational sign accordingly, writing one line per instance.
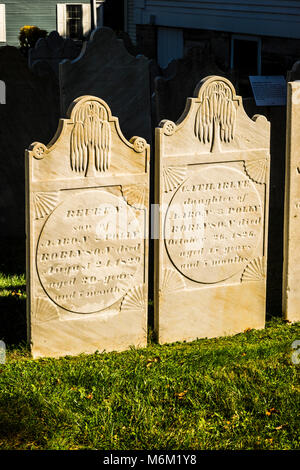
(269, 90)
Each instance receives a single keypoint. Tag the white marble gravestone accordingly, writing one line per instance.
(291, 258)
(212, 185)
(87, 226)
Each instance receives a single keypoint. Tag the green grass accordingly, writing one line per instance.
(11, 285)
(12, 308)
(239, 392)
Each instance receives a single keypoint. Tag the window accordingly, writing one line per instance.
(114, 14)
(2, 23)
(245, 60)
(73, 19)
(169, 45)
(246, 55)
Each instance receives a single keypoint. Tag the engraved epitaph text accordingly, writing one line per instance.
(213, 224)
(89, 251)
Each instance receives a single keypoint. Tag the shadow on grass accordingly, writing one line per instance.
(12, 307)
(14, 288)
(12, 320)
(22, 423)
(13, 256)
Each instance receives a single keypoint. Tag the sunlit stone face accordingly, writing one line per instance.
(87, 212)
(213, 193)
(213, 224)
(89, 251)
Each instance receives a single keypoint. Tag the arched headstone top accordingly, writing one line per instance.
(88, 134)
(86, 104)
(218, 119)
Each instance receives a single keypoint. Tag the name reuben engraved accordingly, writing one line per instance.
(95, 255)
(213, 224)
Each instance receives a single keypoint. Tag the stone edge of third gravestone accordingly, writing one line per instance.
(291, 278)
(87, 244)
(220, 157)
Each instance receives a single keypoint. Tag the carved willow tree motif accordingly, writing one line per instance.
(216, 116)
(90, 138)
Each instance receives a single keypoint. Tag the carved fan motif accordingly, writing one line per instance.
(90, 138)
(173, 176)
(216, 116)
(44, 311)
(256, 170)
(44, 203)
(134, 299)
(135, 195)
(171, 281)
(254, 271)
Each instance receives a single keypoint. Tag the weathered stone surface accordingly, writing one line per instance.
(31, 112)
(50, 51)
(105, 68)
(291, 258)
(179, 79)
(212, 187)
(87, 227)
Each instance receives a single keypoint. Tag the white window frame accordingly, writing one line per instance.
(61, 17)
(2, 23)
(243, 37)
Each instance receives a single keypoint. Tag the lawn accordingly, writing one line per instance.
(239, 392)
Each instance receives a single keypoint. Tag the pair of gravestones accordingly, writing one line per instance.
(88, 226)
